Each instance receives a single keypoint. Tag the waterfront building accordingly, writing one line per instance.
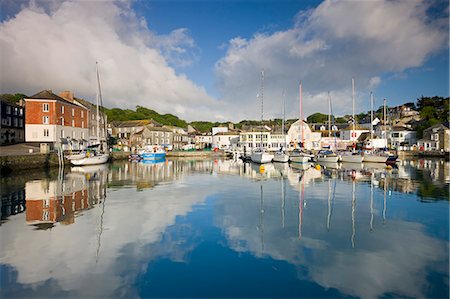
(12, 126)
(180, 137)
(351, 136)
(216, 130)
(252, 139)
(203, 140)
(225, 140)
(151, 135)
(54, 121)
(403, 137)
(311, 139)
(436, 138)
(92, 122)
(122, 130)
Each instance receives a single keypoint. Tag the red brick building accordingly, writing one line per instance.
(53, 120)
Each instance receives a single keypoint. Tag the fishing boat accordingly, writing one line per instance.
(94, 154)
(153, 152)
(352, 156)
(260, 155)
(298, 155)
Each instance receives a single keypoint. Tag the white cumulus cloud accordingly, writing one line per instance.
(55, 46)
(327, 46)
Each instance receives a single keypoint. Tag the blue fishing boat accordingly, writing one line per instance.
(154, 152)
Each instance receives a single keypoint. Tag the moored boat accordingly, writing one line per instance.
(154, 152)
(261, 156)
(327, 156)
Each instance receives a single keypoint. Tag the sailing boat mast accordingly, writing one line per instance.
(284, 116)
(262, 106)
(301, 114)
(329, 115)
(353, 112)
(371, 118)
(98, 98)
(384, 121)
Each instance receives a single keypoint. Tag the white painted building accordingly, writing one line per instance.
(216, 130)
(225, 140)
(311, 139)
(352, 135)
(402, 136)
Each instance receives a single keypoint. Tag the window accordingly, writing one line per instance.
(62, 121)
(62, 109)
(73, 123)
(62, 133)
(45, 120)
(82, 135)
(82, 114)
(8, 109)
(16, 111)
(73, 134)
(92, 115)
(20, 111)
(46, 133)
(20, 123)
(73, 112)
(45, 107)
(82, 122)
(15, 122)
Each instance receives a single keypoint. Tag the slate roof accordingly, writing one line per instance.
(48, 95)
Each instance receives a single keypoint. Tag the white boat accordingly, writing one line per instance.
(350, 157)
(91, 159)
(281, 157)
(154, 152)
(76, 156)
(373, 157)
(327, 156)
(298, 156)
(261, 156)
(95, 156)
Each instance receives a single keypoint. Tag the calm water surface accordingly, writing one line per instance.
(221, 228)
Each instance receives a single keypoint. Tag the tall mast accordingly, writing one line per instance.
(353, 110)
(384, 120)
(329, 115)
(284, 115)
(371, 118)
(262, 105)
(98, 96)
(301, 114)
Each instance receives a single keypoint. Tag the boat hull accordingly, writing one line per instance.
(153, 156)
(352, 158)
(92, 160)
(261, 158)
(280, 157)
(375, 158)
(327, 159)
(300, 159)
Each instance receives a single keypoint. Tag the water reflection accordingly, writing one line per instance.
(136, 229)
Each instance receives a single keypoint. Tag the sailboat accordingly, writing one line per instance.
(94, 155)
(327, 155)
(260, 155)
(297, 155)
(280, 155)
(370, 155)
(352, 156)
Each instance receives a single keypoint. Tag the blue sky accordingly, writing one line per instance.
(201, 60)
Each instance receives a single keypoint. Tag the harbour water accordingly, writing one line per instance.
(223, 228)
